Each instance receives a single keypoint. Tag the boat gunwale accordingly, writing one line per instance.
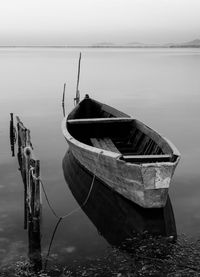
(100, 120)
(98, 151)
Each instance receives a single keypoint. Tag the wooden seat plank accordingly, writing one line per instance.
(100, 120)
(147, 158)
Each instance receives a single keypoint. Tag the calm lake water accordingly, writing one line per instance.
(160, 87)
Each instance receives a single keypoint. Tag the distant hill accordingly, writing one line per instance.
(103, 44)
(193, 43)
(135, 44)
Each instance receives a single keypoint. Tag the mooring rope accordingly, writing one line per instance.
(76, 209)
(73, 211)
(60, 218)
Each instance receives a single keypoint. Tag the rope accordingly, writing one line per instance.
(39, 179)
(52, 237)
(60, 218)
(76, 209)
(50, 206)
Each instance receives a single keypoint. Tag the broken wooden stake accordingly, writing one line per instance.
(12, 135)
(30, 172)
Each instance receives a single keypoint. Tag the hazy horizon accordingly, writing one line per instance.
(83, 22)
(195, 41)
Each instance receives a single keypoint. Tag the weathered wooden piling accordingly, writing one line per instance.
(12, 135)
(21, 138)
(30, 172)
(37, 194)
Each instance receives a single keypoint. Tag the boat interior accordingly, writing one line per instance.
(104, 127)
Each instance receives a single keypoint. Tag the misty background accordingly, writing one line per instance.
(83, 22)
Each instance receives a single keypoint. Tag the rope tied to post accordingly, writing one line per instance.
(47, 199)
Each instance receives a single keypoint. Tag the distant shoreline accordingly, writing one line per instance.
(101, 46)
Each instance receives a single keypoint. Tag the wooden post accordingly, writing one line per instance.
(63, 100)
(37, 197)
(12, 135)
(34, 218)
(30, 171)
(20, 161)
(27, 156)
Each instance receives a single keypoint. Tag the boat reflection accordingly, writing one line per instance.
(115, 217)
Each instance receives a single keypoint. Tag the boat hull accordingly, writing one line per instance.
(145, 184)
(142, 179)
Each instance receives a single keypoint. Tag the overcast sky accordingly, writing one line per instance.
(94, 21)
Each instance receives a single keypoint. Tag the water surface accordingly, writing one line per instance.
(158, 86)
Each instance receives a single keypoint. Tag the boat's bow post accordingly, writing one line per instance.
(77, 98)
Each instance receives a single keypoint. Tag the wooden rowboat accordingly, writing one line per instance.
(124, 153)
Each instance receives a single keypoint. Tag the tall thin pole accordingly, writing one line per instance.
(77, 98)
(63, 100)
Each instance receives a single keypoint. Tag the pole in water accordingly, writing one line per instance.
(12, 135)
(77, 98)
(63, 100)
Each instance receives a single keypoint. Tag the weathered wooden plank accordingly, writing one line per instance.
(104, 143)
(99, 120)
(147, 158)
